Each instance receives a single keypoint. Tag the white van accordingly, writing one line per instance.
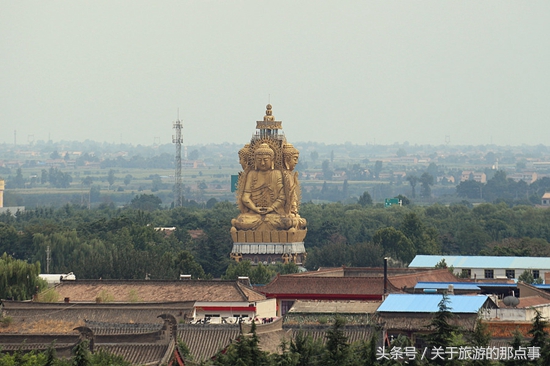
(54, 279)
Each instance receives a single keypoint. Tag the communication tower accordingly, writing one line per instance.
(178, 186)
(48, 259)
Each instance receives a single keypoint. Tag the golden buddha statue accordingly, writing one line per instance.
(268, 193)
(262, 202)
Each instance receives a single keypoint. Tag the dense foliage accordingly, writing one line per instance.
(19, 279)
(123, 243)
(81, 357)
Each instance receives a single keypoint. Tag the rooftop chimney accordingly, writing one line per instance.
(451, 289)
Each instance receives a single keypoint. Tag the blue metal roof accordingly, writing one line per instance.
(466, 285)
(496, 284)
(445, 285)
(415, 303)
(482, 262)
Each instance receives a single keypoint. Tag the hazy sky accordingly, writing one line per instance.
(335, 71)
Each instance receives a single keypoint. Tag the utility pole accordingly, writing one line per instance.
(178, 186)
(48, 259)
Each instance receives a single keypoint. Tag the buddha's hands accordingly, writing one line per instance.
(265, 210)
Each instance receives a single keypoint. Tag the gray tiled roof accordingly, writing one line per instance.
(137, 354)
(204, 341)
(153, 290)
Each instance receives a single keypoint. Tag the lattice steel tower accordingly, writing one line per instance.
(178, 186)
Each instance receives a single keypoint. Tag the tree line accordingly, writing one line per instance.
(500, 188)
(81, 356)
(122, 243)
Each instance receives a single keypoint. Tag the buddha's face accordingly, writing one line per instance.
(263, 162)
(292, 161)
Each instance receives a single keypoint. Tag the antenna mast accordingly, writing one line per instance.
(48, 259)
(178, 186)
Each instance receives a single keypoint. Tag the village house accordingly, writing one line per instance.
(487, 267)
(217, 299)
(527, 177)
(475, 176)
(411, 314)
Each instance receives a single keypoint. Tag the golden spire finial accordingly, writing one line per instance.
(268, 113)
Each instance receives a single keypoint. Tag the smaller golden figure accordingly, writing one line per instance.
(292, 187)
(269, 114)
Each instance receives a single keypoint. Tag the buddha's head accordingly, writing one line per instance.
(290, 156)
(263, 157)
(244, 155)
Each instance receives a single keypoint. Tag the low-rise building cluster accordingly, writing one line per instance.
(143, 320)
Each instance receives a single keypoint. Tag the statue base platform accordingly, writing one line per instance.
(274, 236)
(269, 248)
(269, 253)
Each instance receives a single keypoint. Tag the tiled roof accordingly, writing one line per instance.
(352, 332)
(195, 234)
(270, 341)
(333, 307)
(302, 285)
(410, 280)
(527, 302)
(532, 290)
(204, 341)
(463, 286)
(322, 272)
(32, 325)
(360, 272)
(379, 271)
(36, 317)
(137, 354)
(155, 291)
(140, 348)
(251, 294)
(27, 342)
(101, 328)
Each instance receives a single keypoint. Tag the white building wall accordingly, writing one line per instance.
(544, 311)
(266, 308)
(199, 312)
(479, 273)
(519, 314)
